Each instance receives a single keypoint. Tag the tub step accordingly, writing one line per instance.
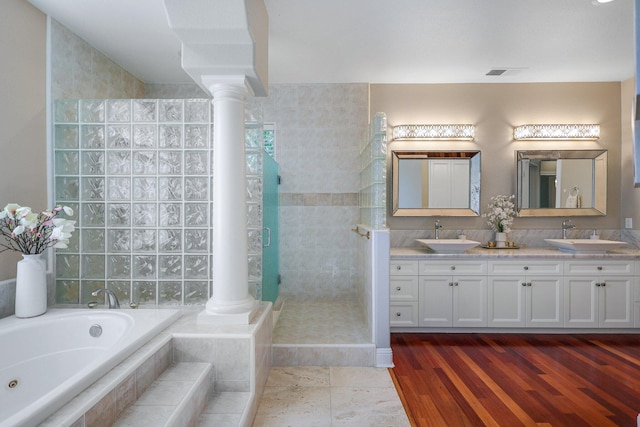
(176, 398)
(225, 409)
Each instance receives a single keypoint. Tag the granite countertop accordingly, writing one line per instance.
(408, 253)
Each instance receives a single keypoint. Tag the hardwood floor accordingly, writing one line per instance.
(518, 379)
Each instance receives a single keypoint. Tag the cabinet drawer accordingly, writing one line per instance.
(529, 267)
(403, 288)
(403, 268)
(598, 267)
(403, 314)
(453, 267)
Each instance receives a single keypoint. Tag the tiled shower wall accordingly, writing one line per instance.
(138, 175)
(318, 132)
(78, 70)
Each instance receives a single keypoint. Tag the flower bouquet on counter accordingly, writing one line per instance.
(31, 233)
(502, 211)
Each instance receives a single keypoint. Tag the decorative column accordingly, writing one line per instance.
(230, 301)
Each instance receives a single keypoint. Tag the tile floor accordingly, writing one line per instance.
(322, 396)
(330, 397)
(315, 322)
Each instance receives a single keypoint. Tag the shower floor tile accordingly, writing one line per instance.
(306, 322)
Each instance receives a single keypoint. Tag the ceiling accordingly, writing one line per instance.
(382, 41)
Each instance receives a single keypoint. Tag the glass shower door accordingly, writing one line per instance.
(270, 250)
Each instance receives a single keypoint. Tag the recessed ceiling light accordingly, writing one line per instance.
(601, 1)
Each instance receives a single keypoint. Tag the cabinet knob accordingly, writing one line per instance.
(526, 267)
(524, 283)
(398, 314)
(450, 283)
(597, 284)
(398, 288)
(529, 284)
(453, 267)
(603, 284)
(398, 267)
(600, 268)
(455, 283)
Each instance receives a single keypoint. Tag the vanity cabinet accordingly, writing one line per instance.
(599, 294)
(403, 297)
(525, 294)
(515, 292)
(453, 293)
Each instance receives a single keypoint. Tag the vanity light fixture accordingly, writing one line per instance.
(555, 132)
(456, 132)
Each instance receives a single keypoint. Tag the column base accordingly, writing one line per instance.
(217, 313)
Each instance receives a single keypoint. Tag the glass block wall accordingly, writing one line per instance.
(373, 174)
(138, 175)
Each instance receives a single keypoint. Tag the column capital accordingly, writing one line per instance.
(237, 83)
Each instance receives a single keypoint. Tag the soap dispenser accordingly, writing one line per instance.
(595, 235)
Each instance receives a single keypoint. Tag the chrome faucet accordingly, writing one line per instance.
(566, 225)
(437, 226)
(111, 297)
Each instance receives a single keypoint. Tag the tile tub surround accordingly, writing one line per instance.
(115, 392)
(7, 297)
(330, 396)
(533, 238)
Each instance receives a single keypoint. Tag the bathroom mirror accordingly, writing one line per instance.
(435, 183)
(561, 182)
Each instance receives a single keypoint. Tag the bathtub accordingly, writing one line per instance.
(47, 360)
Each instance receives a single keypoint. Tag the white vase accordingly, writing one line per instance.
(501, 240)
(31, 286)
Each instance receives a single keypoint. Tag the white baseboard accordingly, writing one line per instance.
(384, 358)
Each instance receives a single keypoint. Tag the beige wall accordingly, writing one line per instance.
(630, 200)
(23, 164)
(495, 109)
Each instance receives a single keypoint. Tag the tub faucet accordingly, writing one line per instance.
(566, 225)
(437, 226)
(111, 297)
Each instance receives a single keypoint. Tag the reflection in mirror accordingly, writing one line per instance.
(433, 183)
(561, 182)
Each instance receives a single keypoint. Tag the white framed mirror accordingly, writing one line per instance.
(561, 182)
(435, 183)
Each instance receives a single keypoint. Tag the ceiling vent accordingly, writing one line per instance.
(496, 72)
(506, 71)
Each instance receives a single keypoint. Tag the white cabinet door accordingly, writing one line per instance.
(580, 302)
(469, 301)
(459, 301)
(616, 302)
(544, 302)
(436, 301)
(601, 302)
(506, 301)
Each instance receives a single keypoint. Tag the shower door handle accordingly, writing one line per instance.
(268, 243)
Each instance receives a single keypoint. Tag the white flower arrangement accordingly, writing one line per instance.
(31, 233)
(502, 211)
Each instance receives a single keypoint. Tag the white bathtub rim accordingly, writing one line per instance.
(46, 408)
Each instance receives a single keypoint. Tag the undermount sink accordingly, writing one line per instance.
(591, 246)
(448, 245)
